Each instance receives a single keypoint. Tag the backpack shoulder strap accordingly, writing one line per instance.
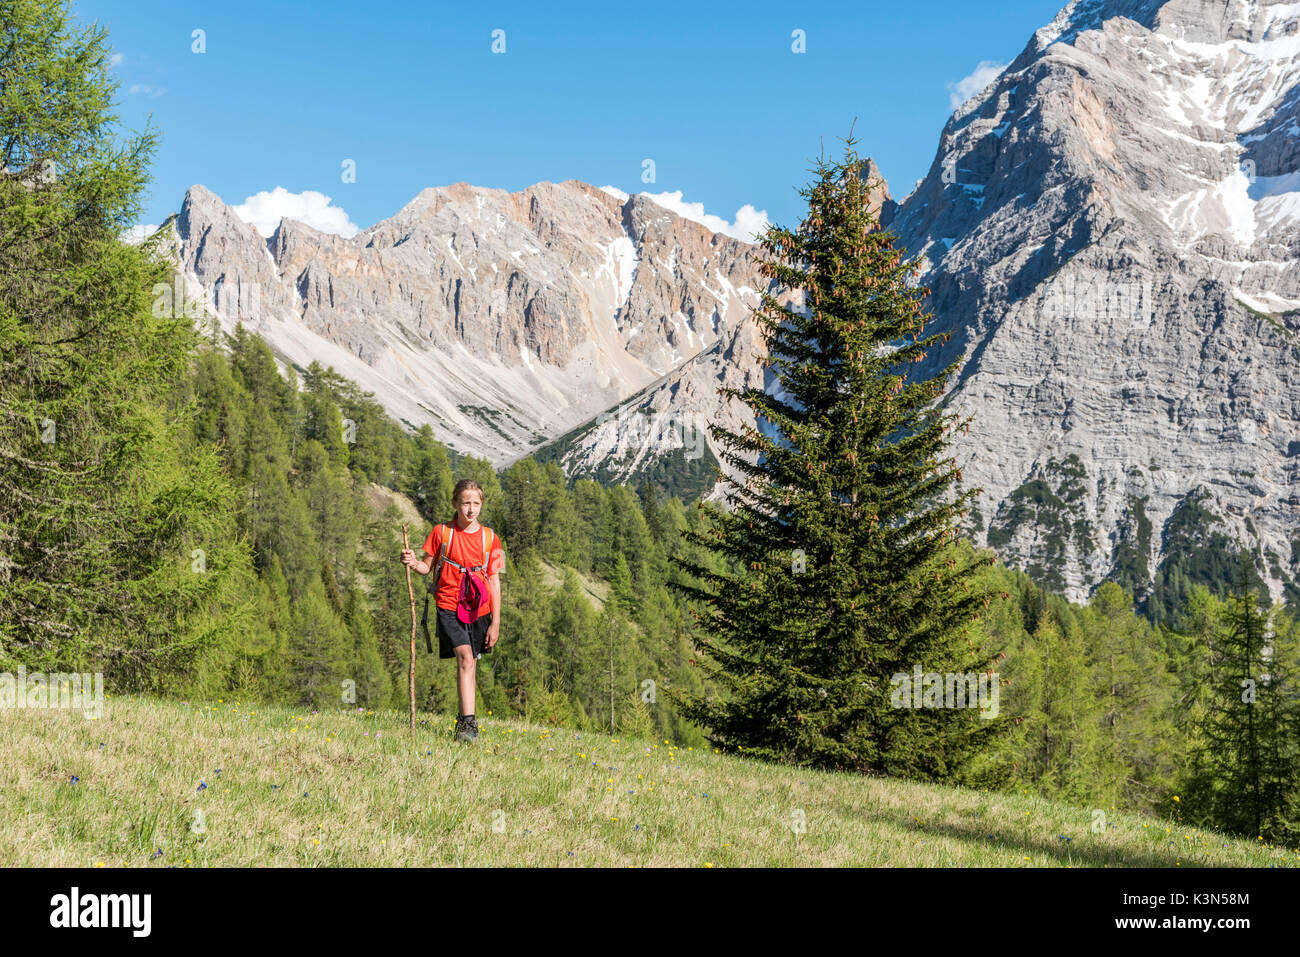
(442, 556)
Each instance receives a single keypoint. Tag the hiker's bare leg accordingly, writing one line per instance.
(466, 670)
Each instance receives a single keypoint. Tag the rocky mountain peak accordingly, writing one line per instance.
(1110, 233)
(500, 318)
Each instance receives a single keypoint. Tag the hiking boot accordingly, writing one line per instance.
(466, 728)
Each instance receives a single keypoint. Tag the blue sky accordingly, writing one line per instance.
(412, 93)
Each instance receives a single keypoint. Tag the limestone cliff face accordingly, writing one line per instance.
(670, 418)
(1110, 232)
(1111, 235)
(502, 319)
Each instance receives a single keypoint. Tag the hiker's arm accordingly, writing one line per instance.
(496, 562)
(494, 589)
(417, 566)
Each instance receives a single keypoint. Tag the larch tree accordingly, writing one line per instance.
(118, 549)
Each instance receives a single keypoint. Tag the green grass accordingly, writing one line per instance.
(355, 788)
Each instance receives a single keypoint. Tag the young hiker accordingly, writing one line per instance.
(467, 592)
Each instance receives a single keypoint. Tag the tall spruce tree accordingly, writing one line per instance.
(841, 536)
(1245, 766)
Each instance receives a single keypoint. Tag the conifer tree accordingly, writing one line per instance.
(635, 720)
(269, 656)
(253, 366)
(1022, 703)
(522, 486)
(221, 419)
(594, 527)
(322, 419)
(651, 510)
(374, 688)
(558, 539)
(367, 430)
(320, 647)
(620, 586)
(550, 707)
(117, 539)
(616, 635)
(1245, 768)
(843, 575)
(1065, 731)
(390, 603)
(616, 643)
(332, 506)
(1135, 691)
(525, 661)
(431, 481)
(570, 631)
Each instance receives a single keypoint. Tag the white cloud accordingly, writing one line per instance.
(138, 234)
(265, 210)
(146, 90)
(749, 221)
(965, 88)
(117, 59)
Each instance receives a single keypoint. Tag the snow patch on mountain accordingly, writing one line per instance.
(619, 266)
(1267, 302)
(1277, 199)
(1225, 208)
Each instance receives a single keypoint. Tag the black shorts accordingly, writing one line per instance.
(453, 632)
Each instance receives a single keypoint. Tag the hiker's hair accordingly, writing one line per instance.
(461, 486)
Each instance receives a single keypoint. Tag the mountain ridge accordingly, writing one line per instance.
(1109, 231)
(575, 316)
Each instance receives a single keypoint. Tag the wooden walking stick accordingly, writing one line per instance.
(411, 592)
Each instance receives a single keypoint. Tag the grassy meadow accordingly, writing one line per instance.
(155, 783)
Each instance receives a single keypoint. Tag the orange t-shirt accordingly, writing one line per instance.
(467, 549)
